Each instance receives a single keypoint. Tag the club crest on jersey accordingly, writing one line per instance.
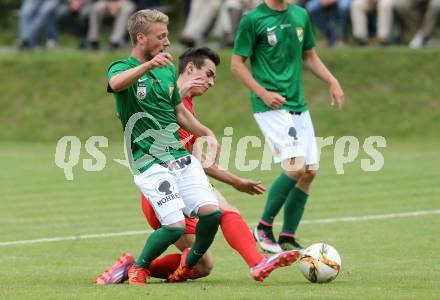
(141, 92)
(300, 34)
(271, 36)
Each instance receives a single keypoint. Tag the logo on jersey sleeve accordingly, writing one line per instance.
(171, 89)
(271, 36)
(300, 34)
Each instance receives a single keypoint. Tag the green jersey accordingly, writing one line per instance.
(146, 111)
(275, 42)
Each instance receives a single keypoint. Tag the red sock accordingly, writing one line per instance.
(164, 266)
(239, 236)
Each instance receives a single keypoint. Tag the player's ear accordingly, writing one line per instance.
(190, 67)
(141, 38)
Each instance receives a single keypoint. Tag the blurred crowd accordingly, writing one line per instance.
(359, 22)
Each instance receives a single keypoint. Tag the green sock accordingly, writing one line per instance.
(157, 243)
(205, 232)
(293, 210)
(276, 197)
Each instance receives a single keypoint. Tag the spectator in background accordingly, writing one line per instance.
(72, 15)
(143, 4)
(201, 15)
(359, 18)
(120, 10)
(421, 16)
(229, 17)
(35, 16)
(338, 12)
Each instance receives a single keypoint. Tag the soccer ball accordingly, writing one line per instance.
(320, 263)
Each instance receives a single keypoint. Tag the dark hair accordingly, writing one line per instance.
(197, 56)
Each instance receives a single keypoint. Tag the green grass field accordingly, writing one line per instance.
(390, 256)
(394, 258)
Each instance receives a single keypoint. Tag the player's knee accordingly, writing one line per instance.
(311, 174)
(308, 176)
(179, 224)
(204, 267)
(296, 174)
(207, 209)
(228, 207)
(233, 209)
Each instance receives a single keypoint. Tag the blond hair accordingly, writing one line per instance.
(141, 21)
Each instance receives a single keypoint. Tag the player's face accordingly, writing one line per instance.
(155, 41)
(207, 72)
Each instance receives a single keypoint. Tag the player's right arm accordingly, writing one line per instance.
(239, 68)
(245, 42)
(125, 79)
(187, 121)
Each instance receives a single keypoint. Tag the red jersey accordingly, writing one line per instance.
(183, 134)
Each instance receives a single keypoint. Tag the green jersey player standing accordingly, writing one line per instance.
(277, 38)
(149, 107)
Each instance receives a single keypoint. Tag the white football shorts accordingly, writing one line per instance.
(175, 189)
(289, 135)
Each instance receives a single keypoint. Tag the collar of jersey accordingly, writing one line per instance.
(270, 10)
(134, 61)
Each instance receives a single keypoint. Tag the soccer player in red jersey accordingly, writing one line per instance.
(197, 70)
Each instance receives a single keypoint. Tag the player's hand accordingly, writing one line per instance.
(337, 95)
(213, 151)
(272, 99)
(161, 60)
(197, 81)
(249, 186)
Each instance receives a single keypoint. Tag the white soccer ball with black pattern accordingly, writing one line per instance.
(320, 263)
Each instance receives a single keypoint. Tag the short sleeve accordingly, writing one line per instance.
(309, 39)
(245, 38)
(114, 69)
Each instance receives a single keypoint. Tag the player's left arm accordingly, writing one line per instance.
(317, 67)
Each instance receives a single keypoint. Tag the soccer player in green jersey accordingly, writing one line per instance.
(149, 107)
(277, 37)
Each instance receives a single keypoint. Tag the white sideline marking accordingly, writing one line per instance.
(76, 238)
(141, 232)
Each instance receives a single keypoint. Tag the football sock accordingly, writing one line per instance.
(239, 236)
(276, 197)
(164, 266)
(157, 243)
(206, 229)
(293, 210)
(286, 238)
(264, 226)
